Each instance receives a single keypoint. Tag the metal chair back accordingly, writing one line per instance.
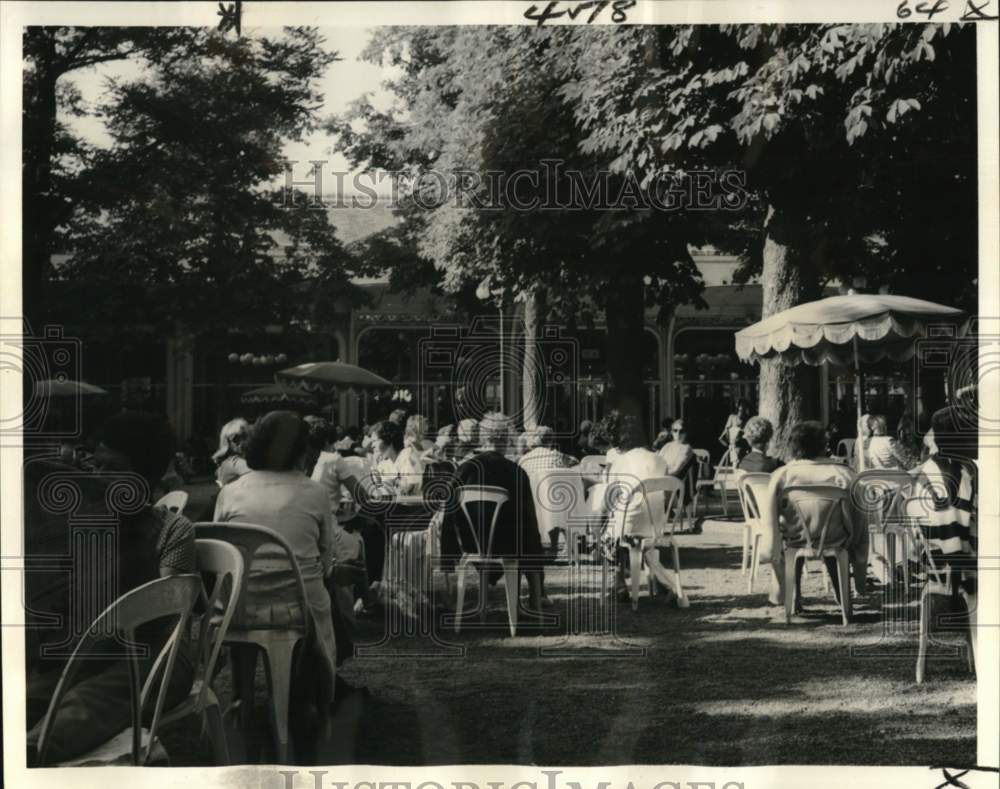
(173, 596)
(482, 494)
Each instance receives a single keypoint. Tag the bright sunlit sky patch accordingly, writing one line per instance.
(343, 82)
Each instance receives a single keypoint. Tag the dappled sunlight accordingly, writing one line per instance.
(849, 695)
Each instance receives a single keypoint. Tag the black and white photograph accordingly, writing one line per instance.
(544, 384)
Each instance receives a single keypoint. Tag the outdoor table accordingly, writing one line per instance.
(409, 549)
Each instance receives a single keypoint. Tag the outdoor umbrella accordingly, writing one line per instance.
(845, 330)
(277, 396)
(57, 388)
(330, 377)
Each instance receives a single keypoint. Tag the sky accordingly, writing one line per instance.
(343, 82)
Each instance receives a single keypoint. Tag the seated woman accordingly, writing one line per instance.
(388, 444)
(516, 533)
(758, 433)
(883, 451)
(810, 465)
(151, 543)
(628, 520)
(467, 440)
(444, 448)
(229, 457)
(276, 494)
(678, 453)
(948, 480)
(409, 462)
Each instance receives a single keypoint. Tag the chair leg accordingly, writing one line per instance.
(745, 561)
(634, 573)
(460, 572)
(244, 662)
(217, 734)
(790, 561)
(826, 578)
(278, 655)
(754, 563)
(844, 580)
(904, 553)
(925, 626)
(511, 582)
(970, 634)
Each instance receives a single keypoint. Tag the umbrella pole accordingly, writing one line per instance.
(858, 391)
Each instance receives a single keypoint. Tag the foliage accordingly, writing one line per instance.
(865, 132)
(176, 224)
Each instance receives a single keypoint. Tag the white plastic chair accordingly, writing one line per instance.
(484, 495)
(834, 498)
(878, 495)
(175, 501)
(938, 582)
(173, 596)
(277, 644)
(845, 449)
(223, 561)
(751, 486)
(704, 479)
(644, 549)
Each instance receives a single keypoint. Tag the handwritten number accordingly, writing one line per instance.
(552, 11)
(620, 7)
(600, 7)
(937, 8)
(929, 10)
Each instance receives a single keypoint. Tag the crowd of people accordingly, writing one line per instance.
(319, 486)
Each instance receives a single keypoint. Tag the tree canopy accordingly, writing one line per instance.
(177, 225)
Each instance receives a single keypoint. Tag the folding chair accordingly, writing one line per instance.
(832, 500)
(173, 596)
(277, 644)
(175, 501)
(938, 582)
(644, 549)
(751, 486)
(878, 494)
(224, 563)
(497, 497)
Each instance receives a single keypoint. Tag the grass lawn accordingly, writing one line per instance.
(724, 682)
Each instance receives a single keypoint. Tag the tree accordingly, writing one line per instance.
(814, 115)
(481, 105)
(51, 53)
(178, 227)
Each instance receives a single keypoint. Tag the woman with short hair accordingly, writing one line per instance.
(810, 465)
(883, 451)
(228, 457)
(516, 534)
(758, 434)
(276, 494)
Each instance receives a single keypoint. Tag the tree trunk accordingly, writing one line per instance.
(788, 394)
(533, 378)
(625, 316)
